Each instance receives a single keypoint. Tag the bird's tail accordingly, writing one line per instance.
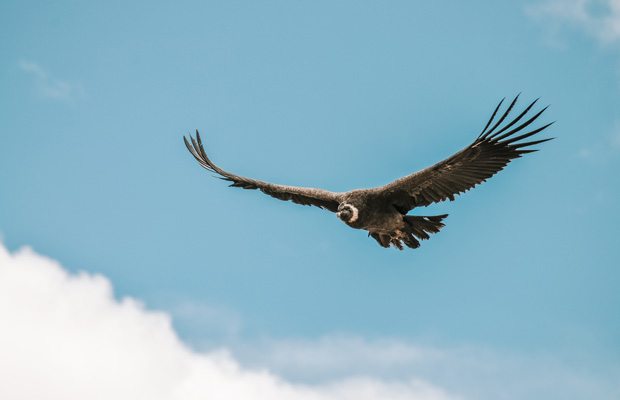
(420, 227)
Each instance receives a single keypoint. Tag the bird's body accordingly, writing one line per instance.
(372, 210)
(383, 211)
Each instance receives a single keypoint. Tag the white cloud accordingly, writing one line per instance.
(474, 372)
(64, 336)
(215, 318)
(49, 86)
(599, 18)
(338, 355)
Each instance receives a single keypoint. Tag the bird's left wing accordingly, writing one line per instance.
(299, 195)
(487, 155)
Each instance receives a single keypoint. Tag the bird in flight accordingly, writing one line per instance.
(383, 211)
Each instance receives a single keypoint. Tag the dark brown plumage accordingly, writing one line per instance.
(382, 211)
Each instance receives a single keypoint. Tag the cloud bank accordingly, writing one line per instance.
(64, 336)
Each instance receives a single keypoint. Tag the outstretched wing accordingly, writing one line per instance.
(299, 195)
(490, 153)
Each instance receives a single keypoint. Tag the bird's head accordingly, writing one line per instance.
(347, 212)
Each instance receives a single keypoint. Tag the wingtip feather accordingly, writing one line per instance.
(492, 117)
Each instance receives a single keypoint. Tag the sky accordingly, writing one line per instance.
(119, 254)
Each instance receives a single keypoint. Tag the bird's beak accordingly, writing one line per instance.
(338, 215)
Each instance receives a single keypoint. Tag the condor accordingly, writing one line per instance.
(383, 211)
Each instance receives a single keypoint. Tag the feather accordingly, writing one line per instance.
(476, 163)
(300, 195)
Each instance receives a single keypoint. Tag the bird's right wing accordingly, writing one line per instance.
(487, 155)
(299, 195)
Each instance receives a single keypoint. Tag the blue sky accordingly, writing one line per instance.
(336, 95)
